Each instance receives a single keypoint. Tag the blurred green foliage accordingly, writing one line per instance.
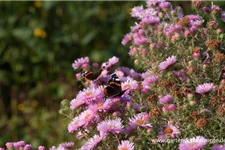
(38, 43)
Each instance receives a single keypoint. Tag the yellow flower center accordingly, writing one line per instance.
(139, 122)
(100, 105)
(87, 117)
(193, 144)
(124, 148)
(168, 131)
(89, 94)
(127, 86)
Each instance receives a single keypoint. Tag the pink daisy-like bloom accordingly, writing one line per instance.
(102, 105)
(9, 145)
(127, 72)
(141, 120)
(75, 124)
(150, 80)
(75, 103)
(92, 142)
(87, 116)
(67, 144)
(80, 62)
(165, 99)
(126, 39)
(27, 147)
(204, 88)
(169, 131)
(107, 126)
(218, 147)
(41, 148)
(18, 144)
(112, 61)
(126, 145)
(150, 20)
(146, 74)
(140, 40)
(165, 5)
(119, 73)
(53, 148)
(223, 16)
(194, 143)
(134, 74)
(137, 11)
(153, 3)
(90, 95)
(130, 84)
(216, 9)
(169, 61)
(147, 81)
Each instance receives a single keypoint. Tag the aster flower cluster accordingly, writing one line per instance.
(177, 101)
(178, 95)
(183, 58)
(21, 145)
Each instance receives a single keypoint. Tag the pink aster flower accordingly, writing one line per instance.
(152, 3)
(75, 103)
(90, 95)
(126, 39)
(169, 61)
(112, 61)
(147, 81)
(223, 16)
(165, 5)
(41, 148)
(53, 148)
(140, 40)
(204, 88)
(126, 145)
(137, 11)
(9, 145)
(218, 147)
(87, 116)
(27, 147)
(92, 142)
(107, 126)
(193, 143)
(130, 84)
(18, 144)
(141, 120)
(67, 145)
(146, 74)
(150, 20)
(216, 9)
(101, 105)
(80, 62)
(170, 131)
(75, 124)
(151, 79)
(165, 99)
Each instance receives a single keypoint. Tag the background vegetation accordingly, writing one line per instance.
(38, 43)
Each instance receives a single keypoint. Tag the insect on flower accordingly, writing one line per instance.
(89, 76)
(113, 89)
